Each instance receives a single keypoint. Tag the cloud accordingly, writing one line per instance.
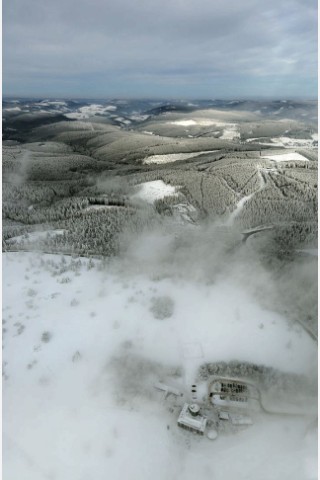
(127, 42)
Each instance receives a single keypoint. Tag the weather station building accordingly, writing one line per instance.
(190, 419)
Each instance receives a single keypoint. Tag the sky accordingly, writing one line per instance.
(167, 48)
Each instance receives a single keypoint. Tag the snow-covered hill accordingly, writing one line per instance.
(83, 345)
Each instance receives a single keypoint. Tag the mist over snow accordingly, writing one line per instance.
(151, 191)
(143, 260)
(85, 340)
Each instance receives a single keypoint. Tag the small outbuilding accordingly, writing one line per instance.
(233, 393)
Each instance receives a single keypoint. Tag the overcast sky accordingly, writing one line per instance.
(163, 48)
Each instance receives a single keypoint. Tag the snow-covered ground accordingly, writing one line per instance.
(35, 236)
(83, 347)
(284, 157)
(173, 157)
(137, 117)
(122, 120)
(101, 207)
(230, 130)
(239, 206)
(184, 213)
(191, 123)
(288, 142)
(90, 110)
(155, 190)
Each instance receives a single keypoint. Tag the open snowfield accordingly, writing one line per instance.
(173, 157)
(91, 110)
(155, 190)
(288, 142)
(284, 157)
(191, 123)
(230, 130)
(83, 346)
(35, 236)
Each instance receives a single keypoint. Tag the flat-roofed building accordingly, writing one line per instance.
(190, 419)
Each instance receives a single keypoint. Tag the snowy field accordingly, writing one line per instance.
(173, 157)
(83, 345)
(90, 111)
(288, 142)
(191, 123)
(284, 157)
(230, 130)
(155, 190)
(35, 236)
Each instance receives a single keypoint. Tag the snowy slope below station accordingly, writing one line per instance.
(82, 349)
